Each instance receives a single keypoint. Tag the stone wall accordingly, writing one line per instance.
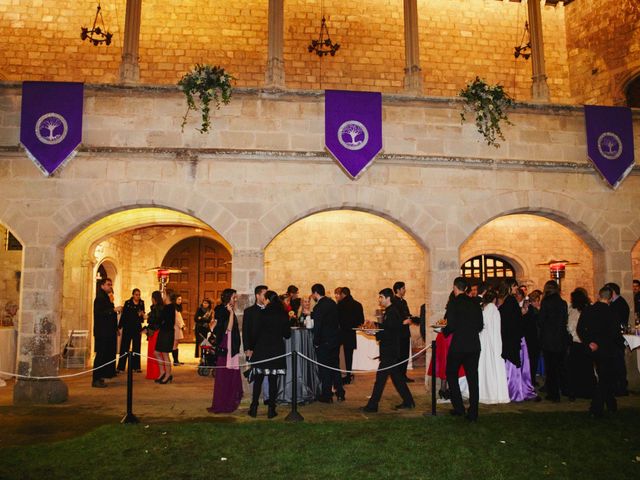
(458, 40)
(345, 248)
(526, 241)
(603, 46)
(263, 169)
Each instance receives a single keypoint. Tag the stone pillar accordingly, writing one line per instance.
(539, 88)
(39, 329)
(247, 272)
(412, 70)
(274, 76)
(129, 68)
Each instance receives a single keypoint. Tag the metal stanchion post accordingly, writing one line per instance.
(130, 417)
(433, 380)
(294, 416)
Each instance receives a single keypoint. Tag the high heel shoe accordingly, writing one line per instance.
(169, 379)
(159, 379)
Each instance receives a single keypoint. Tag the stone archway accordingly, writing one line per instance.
(347, 247)
(134, 241)
(532, 240)
(11, 266)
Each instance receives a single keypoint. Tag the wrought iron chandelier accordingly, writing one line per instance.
(97, 35)
(524, 49)
(323, 46)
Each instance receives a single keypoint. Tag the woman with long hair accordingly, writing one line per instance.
(164, 344)
(178, 326)
(492, 373)
(554, 337)
(269, 333)
(201, 320)
(581, 380)
(227, 386)
(153, 325)
(514, 347)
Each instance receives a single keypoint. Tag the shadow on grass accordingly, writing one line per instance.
(509, 446)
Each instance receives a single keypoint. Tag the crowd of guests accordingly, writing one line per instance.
(503, 337)
(500, 340)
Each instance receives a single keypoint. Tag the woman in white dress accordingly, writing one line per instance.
(492, 373)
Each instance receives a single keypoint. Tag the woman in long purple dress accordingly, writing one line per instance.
(227, 386)
(514, 347)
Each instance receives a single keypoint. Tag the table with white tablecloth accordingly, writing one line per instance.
(365, 356)
(8, 341)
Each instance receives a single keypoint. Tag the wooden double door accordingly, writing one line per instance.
(206, 272)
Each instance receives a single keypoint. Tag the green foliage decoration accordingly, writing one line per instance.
(209, 84)
(489, 103)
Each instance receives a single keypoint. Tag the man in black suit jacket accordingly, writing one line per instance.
(326, 339)
(351, 315)
(131, 326)
(399, 291)
(105, 331)
(392, 344)
(621, 311)
(598, 329)
(464, 321)
(250, 320)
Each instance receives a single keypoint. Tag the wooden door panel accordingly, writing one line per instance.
(206, 272)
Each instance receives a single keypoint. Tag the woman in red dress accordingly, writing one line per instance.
(153, 323)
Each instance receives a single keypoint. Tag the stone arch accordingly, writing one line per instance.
(393, 207)
(623, 85)
(71, 219)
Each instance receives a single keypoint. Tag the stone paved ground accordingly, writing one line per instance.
(187, 398)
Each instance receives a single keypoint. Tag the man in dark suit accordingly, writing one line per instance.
(621, 311)
(392, 343)
(399, 291)
(250, 318)
(326, 339)
(105, 332)
(636, 297)
(598, 329)
(131, 327)
(351, 315)
(464, 321)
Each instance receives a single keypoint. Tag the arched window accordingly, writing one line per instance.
(487, 268)
(633, 93)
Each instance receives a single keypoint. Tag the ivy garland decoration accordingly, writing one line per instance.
(208, 84)
(489, 103)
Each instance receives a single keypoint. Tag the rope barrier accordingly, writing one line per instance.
(53, 377)
(250, 364)
(365, 371)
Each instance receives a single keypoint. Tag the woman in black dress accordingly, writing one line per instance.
(581, 380)
(201, 320)
(269, 333)
(554, 337)
(164, 344)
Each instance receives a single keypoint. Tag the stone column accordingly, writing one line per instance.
(39, 329)
(539, 89)
(129, 68)
(412, 70)
(274, 76)
(247, 272)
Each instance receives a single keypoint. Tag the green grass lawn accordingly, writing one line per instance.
(500, 446)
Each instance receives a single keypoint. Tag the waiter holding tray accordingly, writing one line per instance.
(392, 352)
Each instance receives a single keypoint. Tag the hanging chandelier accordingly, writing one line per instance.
(524, 49)
(97, 35)
(323, 46)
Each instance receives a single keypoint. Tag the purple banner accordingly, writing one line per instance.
(353, 128)
(51, 122)
(610, 141)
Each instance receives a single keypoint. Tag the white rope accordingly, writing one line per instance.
(365, 371)
(53, 377)
(250, 364)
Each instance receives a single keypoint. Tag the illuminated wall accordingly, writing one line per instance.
(346, 248)
(526, 241)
